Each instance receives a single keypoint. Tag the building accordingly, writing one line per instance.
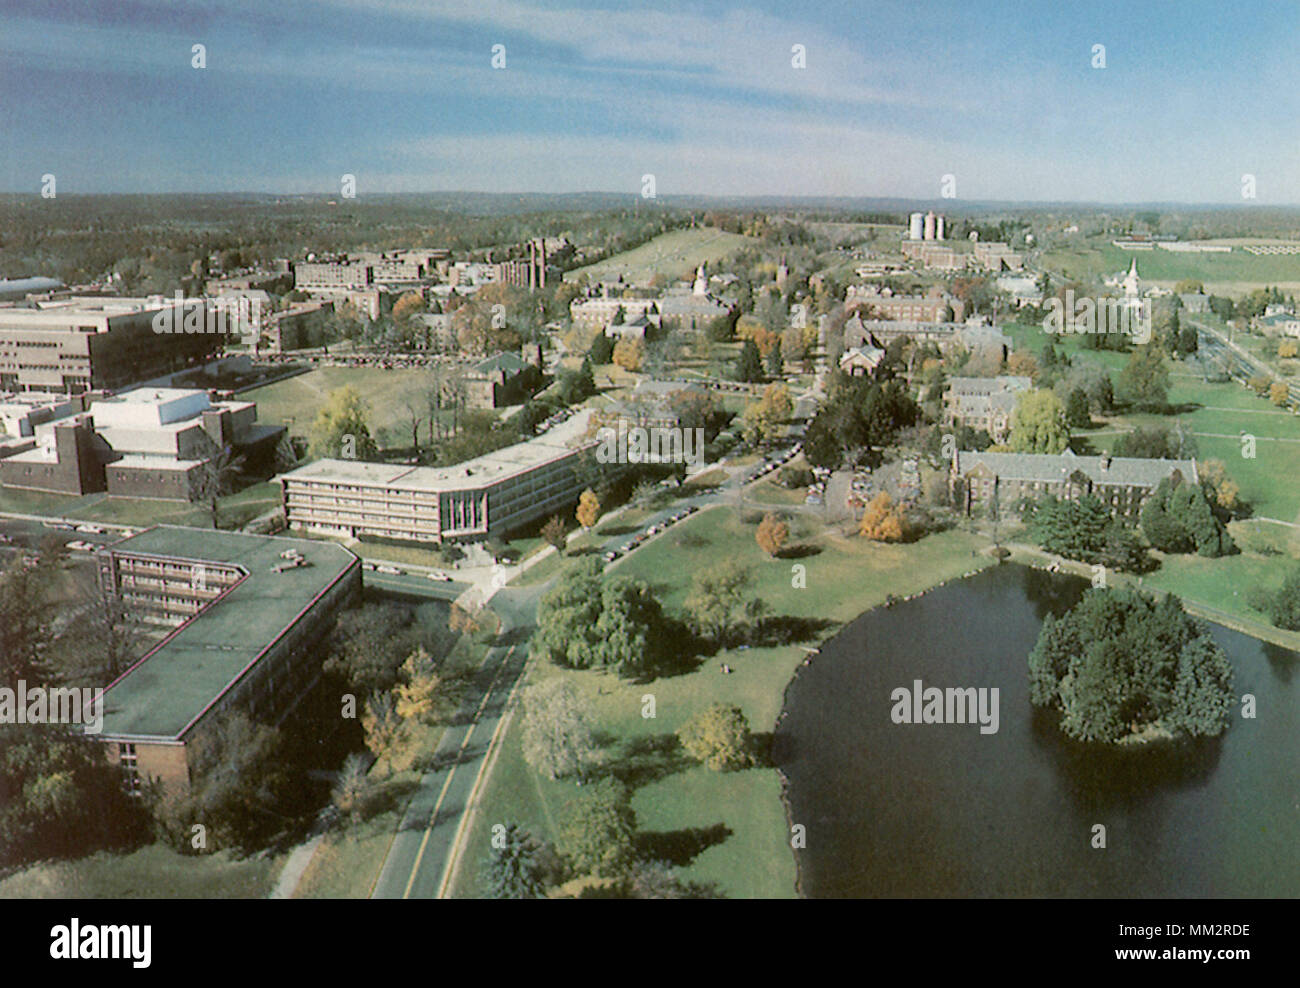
(1124, 483)
(490, 494)
(148, 443)
(248, 614)
(861, 361)
(502, 379)
(84, 343)
(528, 271)
(916, 226)
(936, 307)
(994, 256)
(984, 403)
(18, 288)
(298, 327)
(597, 313)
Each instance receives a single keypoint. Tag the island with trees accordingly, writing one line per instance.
(1121, 667)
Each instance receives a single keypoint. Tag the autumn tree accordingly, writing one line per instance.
(557, 733)
(417, 695)
(772, 534)
(383, 725)
(588, 508)
(553, 533)
(1278, 393)
(1222, 490)
(882, 521)
(628, 354)
(719, 737)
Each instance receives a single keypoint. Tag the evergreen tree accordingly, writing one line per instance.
(749, 365)
(513, 869)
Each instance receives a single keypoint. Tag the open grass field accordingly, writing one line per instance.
(728, 828)
(1233, 273)
(675, 254)
(295, 402)
(234, 511)
(153, 871)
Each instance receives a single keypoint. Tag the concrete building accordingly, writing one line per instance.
(248, 614)
(470, 501)
(150, 443)
(1123, 483)
(502, 379)
(984, 403)
(105, 343)
(300, 326)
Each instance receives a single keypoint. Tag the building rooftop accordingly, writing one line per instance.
(166, 692)
(481, 471)
(1049, 468)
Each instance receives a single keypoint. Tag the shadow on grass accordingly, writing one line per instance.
(680, 847)
(800, 551)
(648, 759)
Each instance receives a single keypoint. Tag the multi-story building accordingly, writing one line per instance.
(248, 614)
(1123, 483)
(994, 256)
(490, 494)
(499, 380)
(98, 343)
(151, 442)
(914, 308)
(984, 403)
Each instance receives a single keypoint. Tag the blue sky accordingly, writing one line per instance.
(402, 94)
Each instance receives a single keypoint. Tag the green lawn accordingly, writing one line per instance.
(676, 254)
(296, 401)
(152, 872)
(748, 852)
(1223, 272)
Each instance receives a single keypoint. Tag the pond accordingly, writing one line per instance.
(948, 809)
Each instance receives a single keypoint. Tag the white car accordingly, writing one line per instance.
(77, 545)
(390, 570)
(439, 575)
(90, 529)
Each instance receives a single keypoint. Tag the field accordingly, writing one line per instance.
(728, 828)
(153, 871)
(296, 401)
(1233, 273)
(234, 510)
(675, 254)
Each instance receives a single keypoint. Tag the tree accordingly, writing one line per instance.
(24, 624)
(749, 365)
(352, 788)
(1144, 381)
(628, 354)
(1120, 664)
(407, 306)
(719, 737)
(557, 736)
(341, 428)
(1179, 518)
(553, 534)
(771, 534)
(1023, 364)
(597, 829)
(1279, 392)
(1221, 489)
(513, 869)
(1038, 425)
(716, 595)
(602, 350)
(763, 418)
(774, 362)
(882, 521)
(1283, 605)
(1078, 411)
(383, 725)
(418, 694)
(216, 477)
(588, 508)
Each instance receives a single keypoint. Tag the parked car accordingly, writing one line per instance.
(439, 575)
(91, 529)
(390, 570)
(78, 545)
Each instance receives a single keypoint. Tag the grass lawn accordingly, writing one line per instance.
(676, 254)
(1233, 271)
(235, 510)
(1223, 584)
(153, 872)
(728, 828)
(296, 401)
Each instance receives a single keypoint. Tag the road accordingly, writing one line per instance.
(419, 860)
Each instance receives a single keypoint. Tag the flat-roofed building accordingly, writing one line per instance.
(490, 494)
(105, 343)
(248, 614)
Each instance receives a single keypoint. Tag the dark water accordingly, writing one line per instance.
(943, 810)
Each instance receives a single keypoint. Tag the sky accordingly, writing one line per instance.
(402, 94)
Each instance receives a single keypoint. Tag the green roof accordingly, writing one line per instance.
(164, 693)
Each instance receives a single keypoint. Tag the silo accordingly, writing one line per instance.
(938, 227)
(917, 226)
(929, 226)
